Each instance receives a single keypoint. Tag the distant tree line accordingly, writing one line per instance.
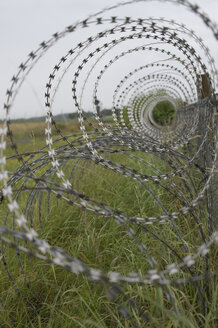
(104, 112)
(63, 116)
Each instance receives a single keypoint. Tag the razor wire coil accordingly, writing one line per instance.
(127, 137)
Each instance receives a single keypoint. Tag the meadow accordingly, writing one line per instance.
(37, 294)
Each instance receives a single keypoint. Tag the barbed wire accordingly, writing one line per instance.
(175, 77)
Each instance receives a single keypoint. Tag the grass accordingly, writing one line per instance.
(43, 295)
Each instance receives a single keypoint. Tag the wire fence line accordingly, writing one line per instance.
(188, 147)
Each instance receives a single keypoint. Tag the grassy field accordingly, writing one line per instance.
(36, 294)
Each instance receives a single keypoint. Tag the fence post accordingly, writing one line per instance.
(206, 154)
(214, 183)
(205, 157)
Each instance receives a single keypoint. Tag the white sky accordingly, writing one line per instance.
(26, 23)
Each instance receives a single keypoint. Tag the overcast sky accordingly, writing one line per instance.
(26, 23)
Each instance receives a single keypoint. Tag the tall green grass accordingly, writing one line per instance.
(48, 296)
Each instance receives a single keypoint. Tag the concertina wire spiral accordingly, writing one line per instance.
(133, 132)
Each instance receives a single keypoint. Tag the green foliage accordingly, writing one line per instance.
(125, 116)
(163, 113)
